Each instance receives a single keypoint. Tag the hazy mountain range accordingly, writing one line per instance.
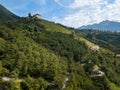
(104, 26)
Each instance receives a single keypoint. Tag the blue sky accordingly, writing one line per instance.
(73, 13)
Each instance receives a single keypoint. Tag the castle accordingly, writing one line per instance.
(37, 16)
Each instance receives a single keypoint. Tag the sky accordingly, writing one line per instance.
(72, 13)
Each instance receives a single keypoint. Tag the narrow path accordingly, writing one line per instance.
(10, 79)
(65, 82)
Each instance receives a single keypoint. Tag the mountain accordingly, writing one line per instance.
(36, 54)
(104, 26)
(5, 14)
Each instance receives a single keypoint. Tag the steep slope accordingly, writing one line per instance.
(109, 40)
(6, 15)
(21, 56)
(104, 26)
(51, 26)
(51, 56)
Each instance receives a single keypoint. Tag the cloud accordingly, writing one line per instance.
(85, 3)
(85, 12)
(63, 3)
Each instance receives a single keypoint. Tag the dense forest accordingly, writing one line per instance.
(37, 54)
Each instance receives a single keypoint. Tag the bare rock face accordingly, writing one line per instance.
(97, 71)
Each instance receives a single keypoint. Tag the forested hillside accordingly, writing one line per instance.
(37, 54)
(106, 39)
(6, 15)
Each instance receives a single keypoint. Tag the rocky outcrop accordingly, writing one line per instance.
(94, 48)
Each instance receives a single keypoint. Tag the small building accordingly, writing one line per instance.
(37, 16)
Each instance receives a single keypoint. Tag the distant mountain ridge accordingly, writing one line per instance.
(104, 26)
(6, 15)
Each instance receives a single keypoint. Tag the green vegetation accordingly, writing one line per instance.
(51, 26)
(41, 55)
(6, 15)
(109, 40)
